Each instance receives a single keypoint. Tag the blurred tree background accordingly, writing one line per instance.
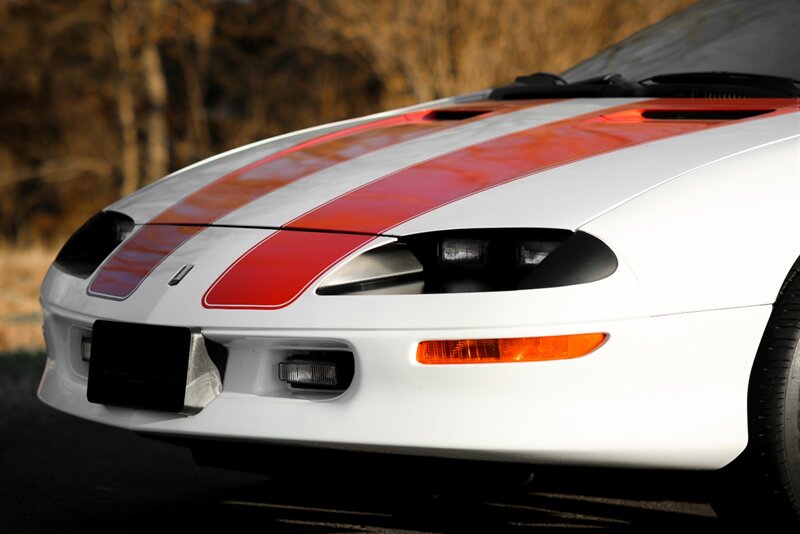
(100, 97)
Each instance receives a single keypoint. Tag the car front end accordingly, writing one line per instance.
(472, 279)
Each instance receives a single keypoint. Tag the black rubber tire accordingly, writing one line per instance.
(762, 486)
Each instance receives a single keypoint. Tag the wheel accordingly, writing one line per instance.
(762, 486)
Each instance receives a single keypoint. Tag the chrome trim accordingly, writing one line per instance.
(178, 276)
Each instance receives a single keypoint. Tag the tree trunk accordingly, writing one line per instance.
(197, 25)
(126, 111)
(156, 87)
(157, 144)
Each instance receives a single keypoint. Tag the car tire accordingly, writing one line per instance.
(762, 486)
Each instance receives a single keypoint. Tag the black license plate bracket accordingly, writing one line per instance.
(139, 365)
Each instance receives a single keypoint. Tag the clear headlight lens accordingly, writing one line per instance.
(390, 269)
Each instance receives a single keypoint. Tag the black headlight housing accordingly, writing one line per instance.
(91, 244)
(475, 260)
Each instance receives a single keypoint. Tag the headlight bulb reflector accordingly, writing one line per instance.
(463, 252)
(534, 252)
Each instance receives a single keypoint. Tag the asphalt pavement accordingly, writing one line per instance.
(62, 474)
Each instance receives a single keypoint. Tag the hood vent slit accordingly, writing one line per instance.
(453, 114)
(703, 114)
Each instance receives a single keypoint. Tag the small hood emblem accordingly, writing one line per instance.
(182, 272)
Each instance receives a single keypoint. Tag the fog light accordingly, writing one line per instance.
(308, 373)
(86, 349)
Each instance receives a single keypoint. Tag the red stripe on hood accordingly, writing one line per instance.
(261, 279)
(122, 273)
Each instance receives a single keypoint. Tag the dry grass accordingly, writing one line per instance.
(22, 269)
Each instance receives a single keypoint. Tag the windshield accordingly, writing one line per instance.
(747, 36)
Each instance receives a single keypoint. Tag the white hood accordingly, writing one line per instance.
(568, 147)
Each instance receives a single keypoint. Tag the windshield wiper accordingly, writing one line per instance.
(683, 85)
(544, 85)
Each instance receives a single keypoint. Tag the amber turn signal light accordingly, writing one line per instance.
(519, 349)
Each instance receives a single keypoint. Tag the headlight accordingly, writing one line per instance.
(93, 242)
(460, 261)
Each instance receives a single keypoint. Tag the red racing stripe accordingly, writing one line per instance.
(122, 273)
(261, 279)
(293, 261)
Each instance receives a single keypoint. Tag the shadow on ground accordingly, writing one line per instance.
(63, 474)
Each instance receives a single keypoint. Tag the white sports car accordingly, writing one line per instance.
(594, 269)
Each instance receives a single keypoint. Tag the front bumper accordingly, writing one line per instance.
(664, 392)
